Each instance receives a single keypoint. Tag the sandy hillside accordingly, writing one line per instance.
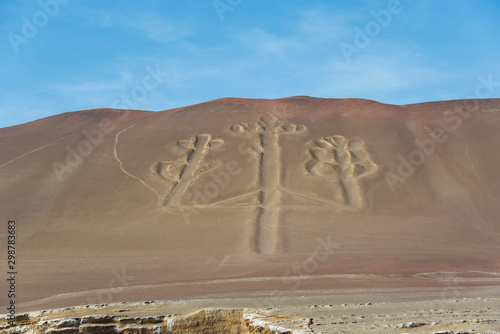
(241, 197)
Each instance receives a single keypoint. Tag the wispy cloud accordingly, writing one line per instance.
(319, 26)
(145, 23)
(380, 77)
(80, 87)
(263, 43)
(93, 52)
(157, 28)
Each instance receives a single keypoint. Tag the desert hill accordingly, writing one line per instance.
(242, 197)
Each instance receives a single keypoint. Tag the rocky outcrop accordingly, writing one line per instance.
(230, 321)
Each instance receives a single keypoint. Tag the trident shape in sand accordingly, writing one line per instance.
(336, 158)
(268, 131)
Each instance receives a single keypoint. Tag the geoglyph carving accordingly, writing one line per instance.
(340, 160)
(185, 172)
(266, 136)
(345, 160)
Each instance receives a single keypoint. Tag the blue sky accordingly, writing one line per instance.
(66, 55)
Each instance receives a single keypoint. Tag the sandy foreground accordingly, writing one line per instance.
(457, 310)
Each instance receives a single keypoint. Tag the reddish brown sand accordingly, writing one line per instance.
(241, 197)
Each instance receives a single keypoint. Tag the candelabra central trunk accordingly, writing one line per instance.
(270, 178)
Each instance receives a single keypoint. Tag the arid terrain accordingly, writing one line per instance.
(427, 312)
(242, 201)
